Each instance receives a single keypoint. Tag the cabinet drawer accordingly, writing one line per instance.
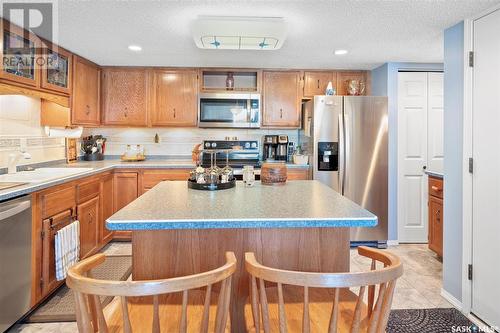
(57, 201)
(153, 177)
(297, 174)
(436, 187)
(88, 190)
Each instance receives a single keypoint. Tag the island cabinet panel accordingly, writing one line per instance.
(435, 212)
(298, 174)
(125, 188)
(88, 215)
(315, 83)
(175, 101)
(161, 254)
(107, 198)
(85, 97)
(150, 178)
(125, 97)
(282, 96)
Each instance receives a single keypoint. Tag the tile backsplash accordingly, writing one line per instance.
(175, 141)
(20, 121)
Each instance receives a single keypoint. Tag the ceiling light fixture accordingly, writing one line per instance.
(135, 48)
(239, 33)
(341, 52)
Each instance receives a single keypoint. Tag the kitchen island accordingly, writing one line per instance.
(176, 231)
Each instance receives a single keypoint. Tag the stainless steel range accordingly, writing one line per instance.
(239, 153)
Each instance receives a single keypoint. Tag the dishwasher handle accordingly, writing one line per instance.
(18, 208)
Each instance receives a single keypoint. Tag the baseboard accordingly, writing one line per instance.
(392, 242)
(455, 302)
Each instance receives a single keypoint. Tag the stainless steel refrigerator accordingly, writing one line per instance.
(348, 136)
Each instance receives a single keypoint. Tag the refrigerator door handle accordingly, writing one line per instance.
(346, 152)
(341, 173)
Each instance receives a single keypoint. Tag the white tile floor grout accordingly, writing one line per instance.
(418, 288)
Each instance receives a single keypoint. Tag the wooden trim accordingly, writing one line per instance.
(11, 89)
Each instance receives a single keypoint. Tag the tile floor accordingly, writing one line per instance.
(419, 287)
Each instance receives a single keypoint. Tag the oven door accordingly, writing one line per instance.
(229, 110)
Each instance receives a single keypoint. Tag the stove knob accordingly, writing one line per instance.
(207, 144)
(254, 144)
(247, 145)
(214, 145)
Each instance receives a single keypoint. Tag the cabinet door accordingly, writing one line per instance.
(85, 108)
(56, 71)
(19, 55)
(88, 215)
(50, 227)
(436, 225)
(175, 101)
(125, 191)
(106, 208)
(151, 178)
(125, 97)
(315, 83)
(281, 99)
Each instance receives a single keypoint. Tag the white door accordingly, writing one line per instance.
(412, 156)
(435, 124)
(486, 173)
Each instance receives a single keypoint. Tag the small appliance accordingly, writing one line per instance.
(276, 148)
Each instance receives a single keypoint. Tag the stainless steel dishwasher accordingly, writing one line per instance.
(15, 260)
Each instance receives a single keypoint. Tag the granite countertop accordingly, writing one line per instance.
(434, 174)
(101, 166)
(298, 204)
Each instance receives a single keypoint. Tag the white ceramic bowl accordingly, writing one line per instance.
(300, 159)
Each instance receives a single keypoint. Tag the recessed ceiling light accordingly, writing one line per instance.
(340, 52)
(135, 48)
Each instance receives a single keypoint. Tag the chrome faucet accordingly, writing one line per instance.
(14, 157)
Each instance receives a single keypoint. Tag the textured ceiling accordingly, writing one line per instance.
(374, 31)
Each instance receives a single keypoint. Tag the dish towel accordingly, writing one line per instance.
(67, 249)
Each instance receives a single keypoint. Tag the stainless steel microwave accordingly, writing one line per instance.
(238, 110)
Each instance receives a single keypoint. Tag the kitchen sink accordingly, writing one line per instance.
(40, 175)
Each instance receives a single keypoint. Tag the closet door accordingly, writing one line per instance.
(486, 178)
(412, 157)
(435, 117)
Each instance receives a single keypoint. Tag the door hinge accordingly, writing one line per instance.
(471, 165)
(470, 272)
(471, 59)
(42, 234)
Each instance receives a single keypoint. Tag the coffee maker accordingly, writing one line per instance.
(275, 148)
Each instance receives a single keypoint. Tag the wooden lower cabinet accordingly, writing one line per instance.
(150, 178)
(298, 174)
(436, 215)
(88, 215)
(125, 191)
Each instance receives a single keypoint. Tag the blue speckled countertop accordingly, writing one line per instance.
(101, 166)
(298, 204)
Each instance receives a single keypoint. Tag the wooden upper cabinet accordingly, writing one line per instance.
(124, 94)
(85, 106)
(315, 83)
(56, 69)
(281, 95)
(175, 101)
(344, 76)
(19, 53)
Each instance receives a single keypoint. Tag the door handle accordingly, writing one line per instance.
(341, 155)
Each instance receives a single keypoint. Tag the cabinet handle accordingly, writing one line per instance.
(438, 215)
(88, 110)
(318, 84)
(281, 113)
(174, 112)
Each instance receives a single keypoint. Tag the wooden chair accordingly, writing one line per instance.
(290, 301)
(154, 305)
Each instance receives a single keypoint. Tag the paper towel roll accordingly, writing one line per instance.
(72, 133)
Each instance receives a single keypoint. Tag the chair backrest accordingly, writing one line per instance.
(380, 282)
(89, 312)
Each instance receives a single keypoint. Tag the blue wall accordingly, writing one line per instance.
(453, 158)
(385, 83)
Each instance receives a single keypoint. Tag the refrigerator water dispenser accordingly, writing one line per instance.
(328, 156)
